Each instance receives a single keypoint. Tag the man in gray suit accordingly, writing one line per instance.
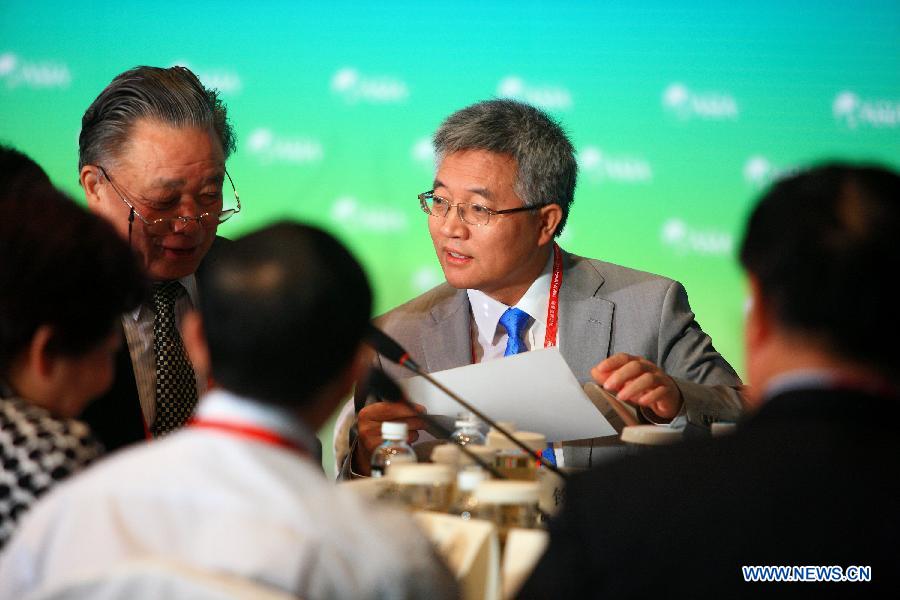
(504, 184)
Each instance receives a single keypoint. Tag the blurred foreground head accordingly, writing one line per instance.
(65, 279)
(284, 311)
(820, 250)
(19, 173)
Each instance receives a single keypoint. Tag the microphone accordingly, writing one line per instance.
(390, 349)
(381, 384)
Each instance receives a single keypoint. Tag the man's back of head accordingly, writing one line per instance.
(239, 492)
(804, 491)
(284, 312)
(818, 248)
(19, 174)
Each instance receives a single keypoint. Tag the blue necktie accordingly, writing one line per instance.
(514, 321)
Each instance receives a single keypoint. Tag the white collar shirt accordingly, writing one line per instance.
(216, 501)
(489, 338)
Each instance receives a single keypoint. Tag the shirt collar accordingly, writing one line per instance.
(190, 285)
(487, 311)
(801, 379)
(222, 405)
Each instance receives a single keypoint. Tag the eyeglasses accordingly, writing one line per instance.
(473, 214)
(165, 226)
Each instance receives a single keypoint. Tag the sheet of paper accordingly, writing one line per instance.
(535, 390)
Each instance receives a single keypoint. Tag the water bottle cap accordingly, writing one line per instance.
(393, 430)
(468, 479)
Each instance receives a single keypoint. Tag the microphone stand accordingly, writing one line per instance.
(390, 349)
(491, 422)
(381, 384)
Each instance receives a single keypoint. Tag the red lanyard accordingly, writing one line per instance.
(552, 304)
(250, 432)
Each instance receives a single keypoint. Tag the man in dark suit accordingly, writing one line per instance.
(810, 480)
(152, 155)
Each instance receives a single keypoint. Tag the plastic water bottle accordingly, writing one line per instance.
(467, 432)
(393, 449)
(464, 504)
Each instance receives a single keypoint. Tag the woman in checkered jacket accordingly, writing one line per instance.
(65, 278)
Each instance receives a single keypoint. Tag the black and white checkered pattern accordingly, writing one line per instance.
(176, 388)
(37, 451)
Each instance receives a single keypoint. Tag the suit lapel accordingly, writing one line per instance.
(449, 342)
(585, 323)
(585, 318)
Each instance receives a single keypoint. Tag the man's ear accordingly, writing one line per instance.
(194, 337)
(550, 217)
(758, 327)
(362, 362)
(90, 182)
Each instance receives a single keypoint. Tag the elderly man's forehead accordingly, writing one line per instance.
(179, 182)
(162, 145)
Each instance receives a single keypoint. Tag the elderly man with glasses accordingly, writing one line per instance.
(152, 155)
(509, 172)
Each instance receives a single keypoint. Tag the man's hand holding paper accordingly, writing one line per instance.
(637, 380)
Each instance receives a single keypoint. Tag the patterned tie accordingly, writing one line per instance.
(176, 389)
(514, 321)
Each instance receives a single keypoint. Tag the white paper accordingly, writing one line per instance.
(535, 390)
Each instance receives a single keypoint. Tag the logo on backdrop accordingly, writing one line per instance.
(548, 97)
(354, 86)
(353, 214)
(760, 172)
(599, 166)
(224, 80)
(422, 152)
(686, 104)
(16, 71)
(684, 239)
(852, 111)
(269, 147)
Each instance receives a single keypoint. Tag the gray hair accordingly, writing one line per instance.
(174, 96)
(545, 158)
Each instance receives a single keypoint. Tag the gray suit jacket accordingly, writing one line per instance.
(604, 309)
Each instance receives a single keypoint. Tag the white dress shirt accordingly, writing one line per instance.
(138, 326)
(489, 337)
(218, 501)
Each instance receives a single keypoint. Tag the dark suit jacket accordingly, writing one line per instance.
(811, 479)
(116, 418)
